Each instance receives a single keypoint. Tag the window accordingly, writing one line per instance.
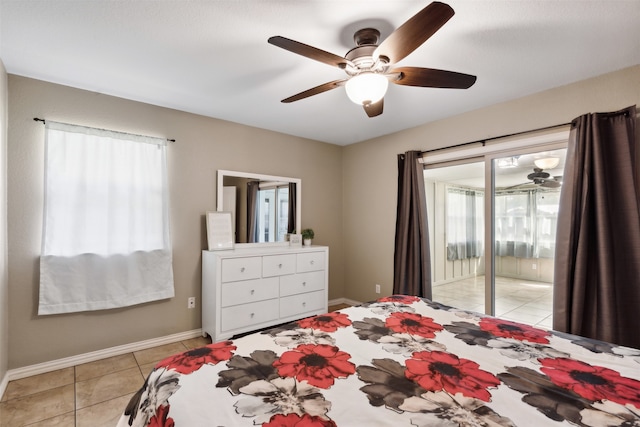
(106, 237)
(526, 223)
(465, 223)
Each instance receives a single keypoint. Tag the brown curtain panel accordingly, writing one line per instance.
(252, 211)
(597, 261)
(412, 267)
(291, 214)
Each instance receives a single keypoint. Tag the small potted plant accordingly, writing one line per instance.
(307, 236)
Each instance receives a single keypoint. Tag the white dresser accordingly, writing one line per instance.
(251, 288)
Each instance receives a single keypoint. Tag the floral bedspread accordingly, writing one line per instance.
(398, 361)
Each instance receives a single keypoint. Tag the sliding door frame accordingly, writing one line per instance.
(487, 153)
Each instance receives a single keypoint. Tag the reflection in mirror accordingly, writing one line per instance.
(264, 207)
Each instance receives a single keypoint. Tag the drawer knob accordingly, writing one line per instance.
(252, 291)
(312, 262)
(304, 304)
(242, 270)
(252, 314)
(304, 283)
(279, 265)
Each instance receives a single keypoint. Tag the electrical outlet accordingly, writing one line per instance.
(377, 289)
(191, 302)
(534, 266)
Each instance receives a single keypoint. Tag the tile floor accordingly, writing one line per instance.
(88, 395)
(518, 300)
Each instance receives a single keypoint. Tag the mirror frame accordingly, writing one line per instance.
(220, 184)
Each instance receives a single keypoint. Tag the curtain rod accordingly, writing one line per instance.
(484, 141)
(44, 121)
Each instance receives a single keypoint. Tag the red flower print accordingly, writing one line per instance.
(329, 322)
(402, 299)
(160, 418)
(318, 364)
(295, 420)
(507, 329)
(438, 370)
(412, 323)
(592, 382)
(192, 360)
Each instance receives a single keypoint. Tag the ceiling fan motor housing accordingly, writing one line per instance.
(361, 56)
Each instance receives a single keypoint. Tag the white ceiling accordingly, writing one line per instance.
(212, 57)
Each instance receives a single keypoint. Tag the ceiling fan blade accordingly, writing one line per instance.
(309, 51)
(410, 35)
(430, 77)
(315, 90)
(551, 183)
(522, 184)
(374, 109)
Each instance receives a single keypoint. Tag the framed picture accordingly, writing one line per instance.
(219, 231)
(295, 239)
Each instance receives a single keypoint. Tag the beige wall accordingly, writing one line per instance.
(203, 145)
(358, 223)
(370, 168)
(4, 283)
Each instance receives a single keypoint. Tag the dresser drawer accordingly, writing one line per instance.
(236, 269)
(310, 261)
(301, 283)
(240, 316)
(301, 303)
(234, 293)
(278, 265)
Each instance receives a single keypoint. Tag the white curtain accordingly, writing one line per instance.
(106, 240)
(465, 223)
(514, 224)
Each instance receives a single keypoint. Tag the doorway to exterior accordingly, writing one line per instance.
(492, 222)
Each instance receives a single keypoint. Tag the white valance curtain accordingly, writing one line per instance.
(106, 240)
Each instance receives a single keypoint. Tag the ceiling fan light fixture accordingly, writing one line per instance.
(366, 88)
(547, 163)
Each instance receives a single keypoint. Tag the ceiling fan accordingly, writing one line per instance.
(369, 64)
(543, 179)
(540, 178)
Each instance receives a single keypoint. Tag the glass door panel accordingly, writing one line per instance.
(455, 209)
(525, 207)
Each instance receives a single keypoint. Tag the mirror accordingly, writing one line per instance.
(271, 198)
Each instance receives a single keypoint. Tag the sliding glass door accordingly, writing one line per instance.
(492, 222)
(455, 207)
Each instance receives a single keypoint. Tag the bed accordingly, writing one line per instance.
(398, 361)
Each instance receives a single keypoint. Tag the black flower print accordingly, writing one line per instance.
(561, 404)
(371, 329)
(592, 345)
(245, 370)
(387, 383)
(152, 397)
(470, 333)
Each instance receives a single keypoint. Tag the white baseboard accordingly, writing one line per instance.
(344, 301)
(41, 368)
(3, 383)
